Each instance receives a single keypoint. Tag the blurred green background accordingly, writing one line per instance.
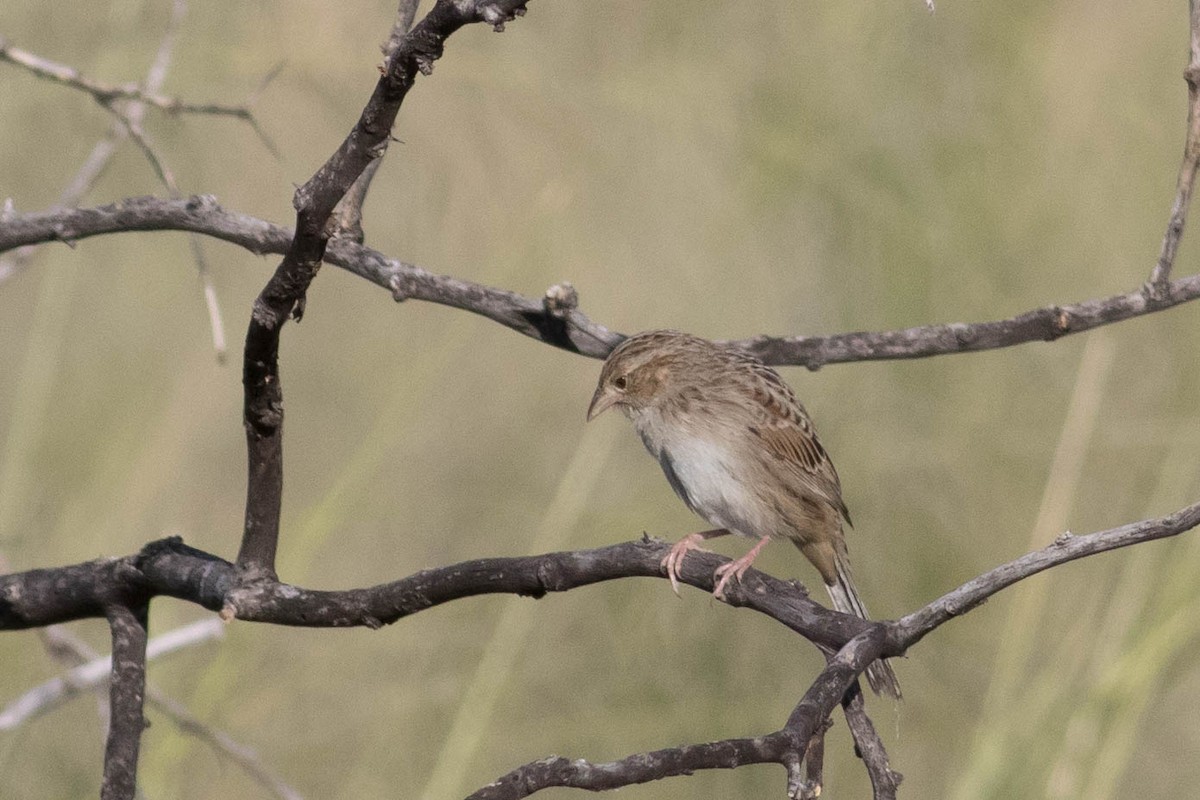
(726, 168)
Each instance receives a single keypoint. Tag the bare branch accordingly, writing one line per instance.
(573, 330)
(638, 768)
(65, 645)
(236, 752)
(284, 295)
(41, 597)
(104, 150)
(106, 94)
(128, 123)
(1039, 325)
(127, 694)
(869, 747)
(1068, 547)
(95, 672)
(1191, 159)
(168, 567)
(786, 746)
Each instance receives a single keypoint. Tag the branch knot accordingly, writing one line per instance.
(560, 300)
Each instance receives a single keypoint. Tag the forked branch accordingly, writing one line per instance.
(46, 596)
(284, 295)
(120, 589)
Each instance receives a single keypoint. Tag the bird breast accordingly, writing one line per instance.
(705, 472)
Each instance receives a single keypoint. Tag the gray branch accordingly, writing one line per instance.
(548, 321)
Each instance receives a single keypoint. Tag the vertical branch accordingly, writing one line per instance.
(283, 297)
(1191, 160)
(127, 694)
(869, 747)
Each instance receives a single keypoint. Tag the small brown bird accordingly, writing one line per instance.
(739, 448)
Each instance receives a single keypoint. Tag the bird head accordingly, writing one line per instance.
(639, 373)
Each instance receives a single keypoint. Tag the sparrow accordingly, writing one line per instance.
(741, 451)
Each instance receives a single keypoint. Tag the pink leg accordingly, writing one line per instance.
(674, 559)
(734, 570)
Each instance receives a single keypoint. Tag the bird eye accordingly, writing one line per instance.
(621, 382)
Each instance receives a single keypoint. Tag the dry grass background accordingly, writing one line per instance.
(727, 168)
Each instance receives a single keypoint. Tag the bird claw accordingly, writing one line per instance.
(673, 560)
(731, 571)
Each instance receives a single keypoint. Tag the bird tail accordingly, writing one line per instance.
(845, 599)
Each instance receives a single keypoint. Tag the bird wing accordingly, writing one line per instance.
(787, 434)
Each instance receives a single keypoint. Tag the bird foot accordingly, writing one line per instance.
(733, 571)
(673, 561)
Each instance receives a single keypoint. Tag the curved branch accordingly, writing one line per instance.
(578, 773)
(910, 629)
(786, 746)
(831, 685)
(570, 329)
(169, 567)
(45, 596)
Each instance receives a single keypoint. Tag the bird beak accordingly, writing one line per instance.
(602, 400)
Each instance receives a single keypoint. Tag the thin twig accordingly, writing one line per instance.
(347, 214)
(70, 651)
(157, 74)
(167, 177)
(238, 753)
(95, 672)
(128, 114)
(1068, 547)
(105, 93)
(104, 149)
(1191, 159)
(66, 646)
